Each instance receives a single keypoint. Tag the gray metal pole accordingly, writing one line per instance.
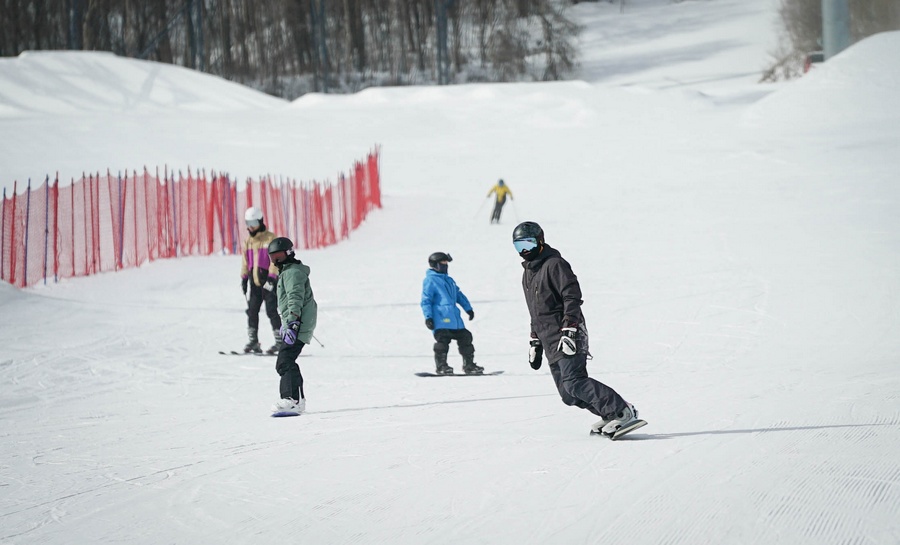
(835, 27)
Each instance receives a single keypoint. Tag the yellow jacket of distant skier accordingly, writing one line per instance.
(501, 191)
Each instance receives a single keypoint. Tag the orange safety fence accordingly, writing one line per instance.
(106, 223)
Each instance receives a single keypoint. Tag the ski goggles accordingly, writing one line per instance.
(252, 223)
(525, 244)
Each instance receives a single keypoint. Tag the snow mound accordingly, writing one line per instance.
(857, 86)
(73, 82)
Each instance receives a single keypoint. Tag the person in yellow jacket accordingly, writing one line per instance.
(259, 276)
(501, 190)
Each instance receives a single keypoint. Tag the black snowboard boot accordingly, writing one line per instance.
(440, 364)
(253, 344)
(470, 367)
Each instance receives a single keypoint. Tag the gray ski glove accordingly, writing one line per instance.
(568, 333)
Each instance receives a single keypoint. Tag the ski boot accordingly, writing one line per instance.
(253, 344)
(470, 367)
(279, 343)
(440, 363)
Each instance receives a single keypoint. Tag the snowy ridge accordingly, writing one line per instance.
(82, 82)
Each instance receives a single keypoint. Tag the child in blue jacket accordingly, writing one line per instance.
(440, 295)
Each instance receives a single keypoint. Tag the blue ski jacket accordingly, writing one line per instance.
(440, 295)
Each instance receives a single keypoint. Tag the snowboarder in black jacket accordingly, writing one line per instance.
(553, 296)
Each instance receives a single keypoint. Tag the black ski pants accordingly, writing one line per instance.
(463, 338)
(258, 295)
(286, 365)
(578, 389)
(498, 207)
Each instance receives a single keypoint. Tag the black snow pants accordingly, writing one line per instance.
(498, 207)
(258, 295)
(286, 365)
(578, 389)
(463, 338)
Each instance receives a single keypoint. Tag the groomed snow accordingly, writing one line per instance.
(738, 246)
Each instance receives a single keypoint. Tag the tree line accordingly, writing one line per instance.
(290, 47)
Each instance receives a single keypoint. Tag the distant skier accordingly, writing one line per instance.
(440, 295)
(299, 311)
(501, 190)
(553, 296)
(259, 276)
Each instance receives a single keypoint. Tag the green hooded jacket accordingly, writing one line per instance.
(295, 299)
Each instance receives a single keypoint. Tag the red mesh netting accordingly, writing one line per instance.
(106, 223)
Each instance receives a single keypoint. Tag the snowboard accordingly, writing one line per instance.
(279, 414)
(425, 374)
(622, 431)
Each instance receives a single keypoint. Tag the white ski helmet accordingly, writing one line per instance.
(253, 214)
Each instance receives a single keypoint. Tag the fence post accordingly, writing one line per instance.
(56, 228)
(2, 238)
(121, 245)
(209, 193)
(176, 239)
(27, 221)
(146, 183)
(238, 217)
(95, 224)
(46, 224)
(134, 212)
(72, 204)
(12, 240)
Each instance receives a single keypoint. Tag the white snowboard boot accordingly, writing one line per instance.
(624, 419)
(289, 405)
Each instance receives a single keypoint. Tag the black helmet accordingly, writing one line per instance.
(281, 244)
(528, 229)
(528, 239)
(437, 257)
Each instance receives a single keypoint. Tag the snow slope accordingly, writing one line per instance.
(739, 251)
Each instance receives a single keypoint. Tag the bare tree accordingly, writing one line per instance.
(289, 47)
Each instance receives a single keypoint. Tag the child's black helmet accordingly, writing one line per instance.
(437, 257)
(281, 244)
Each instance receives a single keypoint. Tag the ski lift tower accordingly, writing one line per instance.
(443, 56)
(835, 27)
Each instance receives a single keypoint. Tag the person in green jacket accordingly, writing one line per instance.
(298, 310)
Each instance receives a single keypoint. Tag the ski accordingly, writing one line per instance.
(236, 353)
(424, 374)
(623, 430)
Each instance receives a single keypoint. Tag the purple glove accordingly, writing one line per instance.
(289, 333)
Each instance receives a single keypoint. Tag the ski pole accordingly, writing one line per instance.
(482, 206)
(318, 341)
